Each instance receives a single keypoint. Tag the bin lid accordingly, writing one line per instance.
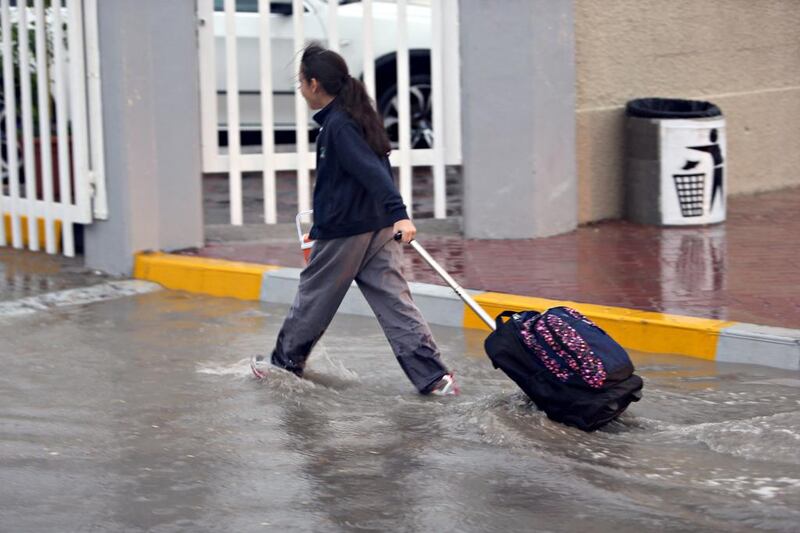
(671, 108)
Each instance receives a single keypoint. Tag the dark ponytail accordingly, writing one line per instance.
(330, 71)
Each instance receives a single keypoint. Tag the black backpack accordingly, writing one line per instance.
(571, 369)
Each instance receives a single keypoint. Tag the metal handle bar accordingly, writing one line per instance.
(451, 282)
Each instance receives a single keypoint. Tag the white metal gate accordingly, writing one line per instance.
(249, 52)
(52, 171)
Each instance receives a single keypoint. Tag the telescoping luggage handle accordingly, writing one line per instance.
(450, 281)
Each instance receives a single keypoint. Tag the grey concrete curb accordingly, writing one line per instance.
(440, 305)
(760, 345)
(740, 343)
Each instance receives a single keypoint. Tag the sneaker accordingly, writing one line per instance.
(446, 386)
(260, 366)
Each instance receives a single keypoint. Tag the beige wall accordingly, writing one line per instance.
(743, 55)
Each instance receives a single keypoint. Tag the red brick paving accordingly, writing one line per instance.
(746, 270)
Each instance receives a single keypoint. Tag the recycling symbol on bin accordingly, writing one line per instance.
(691, 185)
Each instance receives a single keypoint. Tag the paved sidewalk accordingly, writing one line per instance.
(745, 270)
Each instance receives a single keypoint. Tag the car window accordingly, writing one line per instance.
(283, 7)
(13, 3)
(411, 2)
(242, 6)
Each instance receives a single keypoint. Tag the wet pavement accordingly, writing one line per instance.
(745, 269)
(139, 414)
(24, 273)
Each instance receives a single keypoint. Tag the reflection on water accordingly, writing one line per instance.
(141, 413)
(693, 262)
(24, 273)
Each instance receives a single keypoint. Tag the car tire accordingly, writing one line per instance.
(421, 112)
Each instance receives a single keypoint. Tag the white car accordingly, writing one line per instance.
(315, 17)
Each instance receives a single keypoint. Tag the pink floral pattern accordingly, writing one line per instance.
(578, 359)
(575, 314)
(549, 363)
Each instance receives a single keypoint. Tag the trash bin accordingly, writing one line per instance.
(675, 162)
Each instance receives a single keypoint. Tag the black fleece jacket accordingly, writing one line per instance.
(354, 191)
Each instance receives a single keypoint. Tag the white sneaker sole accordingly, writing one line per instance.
(258, 368)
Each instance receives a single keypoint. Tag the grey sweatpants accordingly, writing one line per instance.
(373, 260)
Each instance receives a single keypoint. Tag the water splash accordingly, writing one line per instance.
(239, 369)
(322, 363)
(746, 438)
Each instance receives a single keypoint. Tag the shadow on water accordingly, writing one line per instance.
(156, 423)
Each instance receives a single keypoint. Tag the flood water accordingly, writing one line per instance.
(140, 414)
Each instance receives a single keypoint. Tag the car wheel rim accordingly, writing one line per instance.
(421, 119)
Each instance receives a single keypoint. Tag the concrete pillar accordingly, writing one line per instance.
(518, 118)
(151, 118)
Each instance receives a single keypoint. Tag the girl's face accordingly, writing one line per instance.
(311, 91)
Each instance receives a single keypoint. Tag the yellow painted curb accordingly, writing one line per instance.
(644, 331)
(216, 277)
(40, 228)
(638, 330)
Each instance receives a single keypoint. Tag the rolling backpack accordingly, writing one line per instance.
(571, 369)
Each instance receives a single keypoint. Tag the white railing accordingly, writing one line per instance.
(248, 64)
(59, 182)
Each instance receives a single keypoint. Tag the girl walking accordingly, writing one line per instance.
(357, 212)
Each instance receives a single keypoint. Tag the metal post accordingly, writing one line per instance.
(301, 115)
(267, 127)
(232, 88)
(403, 105)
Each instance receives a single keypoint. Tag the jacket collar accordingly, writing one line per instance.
(322, 114)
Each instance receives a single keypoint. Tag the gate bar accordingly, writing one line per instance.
(27, 131)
